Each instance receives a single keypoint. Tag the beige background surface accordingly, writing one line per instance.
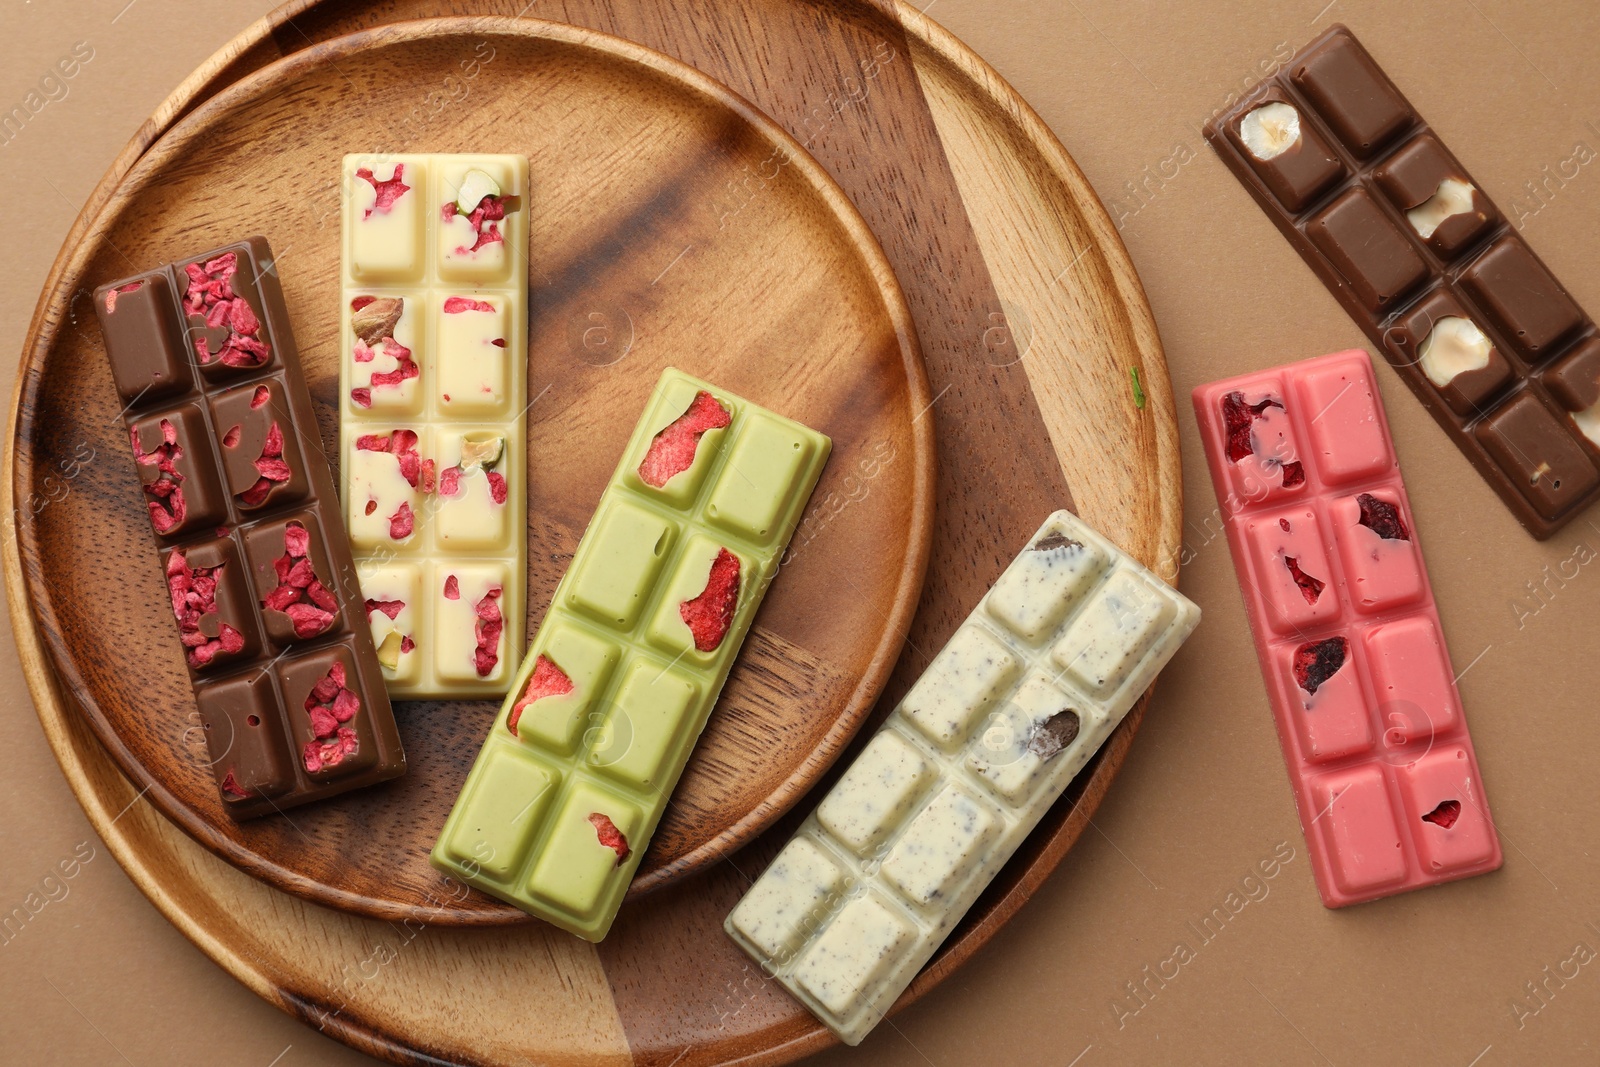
(1436, 977)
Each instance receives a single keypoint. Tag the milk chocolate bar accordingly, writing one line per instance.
(433, 414)
(1428, 266)
(1005, 716)
(251, 541)
(627, 665)
(1357, 670)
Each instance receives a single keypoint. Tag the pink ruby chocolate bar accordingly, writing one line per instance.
(1355, 663)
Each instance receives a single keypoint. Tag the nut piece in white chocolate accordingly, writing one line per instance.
(1270, 130)
(1453, 347)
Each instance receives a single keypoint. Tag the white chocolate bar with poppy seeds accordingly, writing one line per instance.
(1006, 715)
(433, 414)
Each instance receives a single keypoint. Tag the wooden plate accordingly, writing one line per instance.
(636, 263)
(1004, 252)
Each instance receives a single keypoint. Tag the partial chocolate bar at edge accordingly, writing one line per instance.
(1504, 359)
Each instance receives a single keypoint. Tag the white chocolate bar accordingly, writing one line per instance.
(432, 399)
(1005, 716)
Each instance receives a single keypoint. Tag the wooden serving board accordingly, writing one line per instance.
(1030, 318)
(636, 264)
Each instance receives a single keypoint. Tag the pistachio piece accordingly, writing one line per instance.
(376, 319)
(389, 650)
(481, 448)
(474, 187)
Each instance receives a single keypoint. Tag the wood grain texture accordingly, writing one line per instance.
(637, 266)
(681, 993)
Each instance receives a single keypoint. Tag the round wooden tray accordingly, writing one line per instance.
(1030, 318)
(790, 304)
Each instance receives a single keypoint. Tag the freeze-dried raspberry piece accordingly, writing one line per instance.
(361, 398)
(318, 755)
(272, 467)
(1317, 661)
(673, 449)
(401, 523)
(452, 588)
(1382, 518)
(391, 608)
(1237, 415)
(260, 397)
(609, 836)
(548, 681)
(427, 476)
(498, 490)
(232, 788)
(450, 481)
(709, 615)
(330, 703)
(310, 605)
(194, 596)
(1310, 587)
(231, 438)
(212, 305)
(1445, 815)
(487, 632)
(111, 295)
(388, 191)
(402, 445)
(455, 305)
(490, 210)
(1294, 473)
(167, 506)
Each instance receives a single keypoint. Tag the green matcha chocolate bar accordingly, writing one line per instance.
(623, 673)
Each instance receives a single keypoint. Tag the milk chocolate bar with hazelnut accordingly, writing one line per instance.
(1476, 325)
(251, 542)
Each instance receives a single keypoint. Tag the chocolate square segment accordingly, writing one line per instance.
(1575, 379)
(224, 317)
(260, 445)
(1368, 250)
(1358, 101)
(181, 488)
(209, 579)
(327, 747)
(1466, 375)
(245, 736)
(1522, 298)
(1540, 457)
(140, 327)
(299, 595)
(1300, 173)
(1440, 201)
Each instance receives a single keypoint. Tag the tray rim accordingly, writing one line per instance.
(858, 703)
(920, 29)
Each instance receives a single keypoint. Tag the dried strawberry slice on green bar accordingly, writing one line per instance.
(673, 450)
